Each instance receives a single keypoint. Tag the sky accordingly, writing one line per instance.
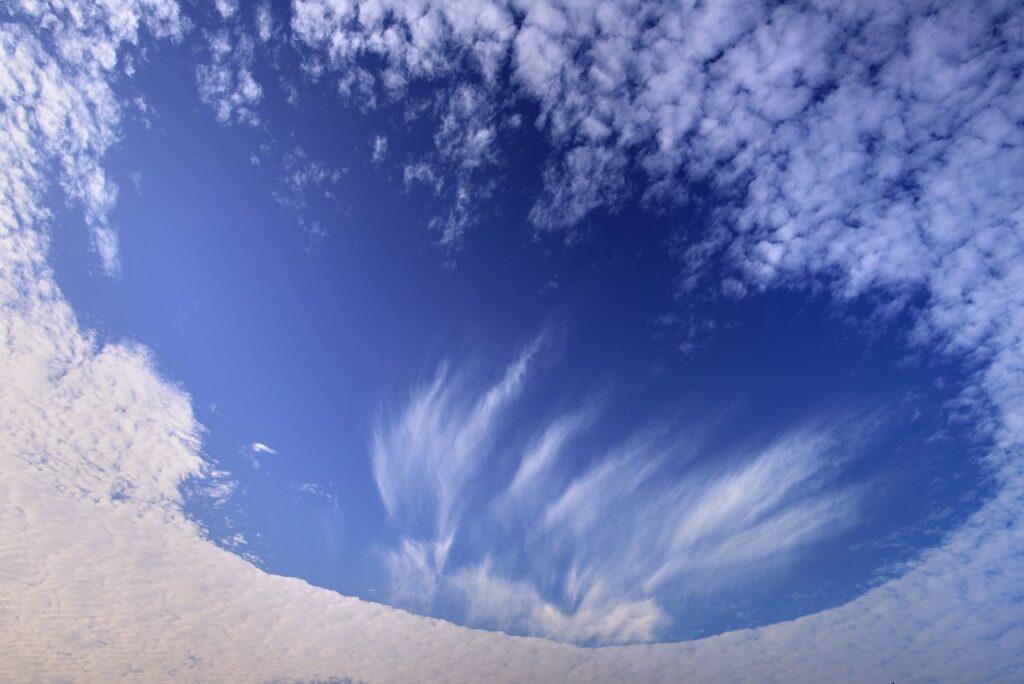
(511, 341)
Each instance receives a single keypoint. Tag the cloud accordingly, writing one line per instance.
(534, 557)
(302, 175)
(464, 161)
(874, 147)
(253, 453)
(264, 22)
(303, 180)
(162, 603)
(541, 457)
(226, 8)
(64, 110)
(226, 83)
(312, 489)
(422, 173)
(424, 457)
(108, 579)
(502, 603)
(380, 148)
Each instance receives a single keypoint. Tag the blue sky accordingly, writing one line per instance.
(607, 325)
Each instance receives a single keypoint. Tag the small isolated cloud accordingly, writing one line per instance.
(226, 8)
(312, 489)
(255, 451)
(380, 148)
(422, 173)
(264, 22)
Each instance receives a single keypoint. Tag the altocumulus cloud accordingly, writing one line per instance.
(103, 578)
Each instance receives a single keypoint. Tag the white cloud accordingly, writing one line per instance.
(254, 452)
(676, 534)
(872, 145)
(422, 460)
(305, 178)
(504, 604)
(227, 83)
(108, 580)
(423, 173)
(226, 8)
(380, 148)
(264, 22)
(61, 108)
(312, 489)
(303, 174)
(541, 457)
(461, 167)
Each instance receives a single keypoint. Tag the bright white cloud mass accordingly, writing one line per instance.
(861, 148)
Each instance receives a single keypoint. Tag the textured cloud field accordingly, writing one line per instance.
(864, 148)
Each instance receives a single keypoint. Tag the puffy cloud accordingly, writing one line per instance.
(416, 42)
(226, 83)
(874, 146)
(226, 8)
(412, 39)
(60, 107)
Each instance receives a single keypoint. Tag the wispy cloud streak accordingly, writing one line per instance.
(424, 457)
(625, 530)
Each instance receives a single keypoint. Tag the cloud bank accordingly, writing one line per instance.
(102, 578)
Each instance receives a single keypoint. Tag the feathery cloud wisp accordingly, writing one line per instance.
(607, 540)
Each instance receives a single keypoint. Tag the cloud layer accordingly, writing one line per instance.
(101, 576)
